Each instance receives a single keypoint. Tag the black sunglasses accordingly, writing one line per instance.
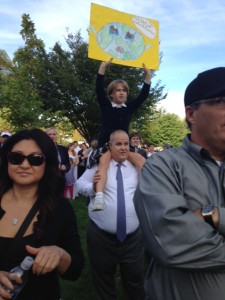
(15, 158)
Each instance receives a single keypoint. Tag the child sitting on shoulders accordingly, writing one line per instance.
(116, 114)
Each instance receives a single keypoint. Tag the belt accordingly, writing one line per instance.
(111, 235)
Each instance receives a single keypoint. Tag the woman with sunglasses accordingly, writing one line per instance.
(29, 179)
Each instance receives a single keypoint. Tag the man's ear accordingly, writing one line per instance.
(109, 145)
(190, 114)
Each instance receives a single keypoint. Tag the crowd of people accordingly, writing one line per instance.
(161, 208)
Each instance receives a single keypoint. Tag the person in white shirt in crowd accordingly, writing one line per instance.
(107, 249)
(77, 148)
(151, 149)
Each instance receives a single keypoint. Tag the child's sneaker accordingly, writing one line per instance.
(99, 202)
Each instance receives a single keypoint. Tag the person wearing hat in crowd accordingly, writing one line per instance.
(4, 136)
(180, 201)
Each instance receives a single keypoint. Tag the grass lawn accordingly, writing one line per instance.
(82, 289)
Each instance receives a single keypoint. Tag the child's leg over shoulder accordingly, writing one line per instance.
(103, 166)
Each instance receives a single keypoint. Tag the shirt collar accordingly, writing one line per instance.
(124, 163)
(197, 151)
(118, 105)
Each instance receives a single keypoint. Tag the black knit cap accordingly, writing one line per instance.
(207, 85)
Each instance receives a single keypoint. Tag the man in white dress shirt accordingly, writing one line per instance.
(105, 251)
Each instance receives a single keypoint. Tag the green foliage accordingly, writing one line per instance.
(73, 92)
(167, 128)
(5, 62)
(83, 112)
(41, 89)
(4, 124)
(20, 85)
(23, 104)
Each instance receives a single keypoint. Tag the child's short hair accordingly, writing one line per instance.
(135, 134)
(113, 85)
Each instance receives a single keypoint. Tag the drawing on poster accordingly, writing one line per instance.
(130, 40)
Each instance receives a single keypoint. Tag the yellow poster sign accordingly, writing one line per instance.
(129, 39)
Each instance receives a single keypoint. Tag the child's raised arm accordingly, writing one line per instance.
(103, 66)
(148, 74)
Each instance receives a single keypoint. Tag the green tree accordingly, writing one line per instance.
(79, 82)
(5, 62)
(49, 88)
(168, 128)
(20, 88)
(4, 125)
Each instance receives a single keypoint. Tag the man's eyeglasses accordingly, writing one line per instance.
(220, 101)
(15, 158)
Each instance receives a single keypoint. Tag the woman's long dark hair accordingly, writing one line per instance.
(52, 183)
